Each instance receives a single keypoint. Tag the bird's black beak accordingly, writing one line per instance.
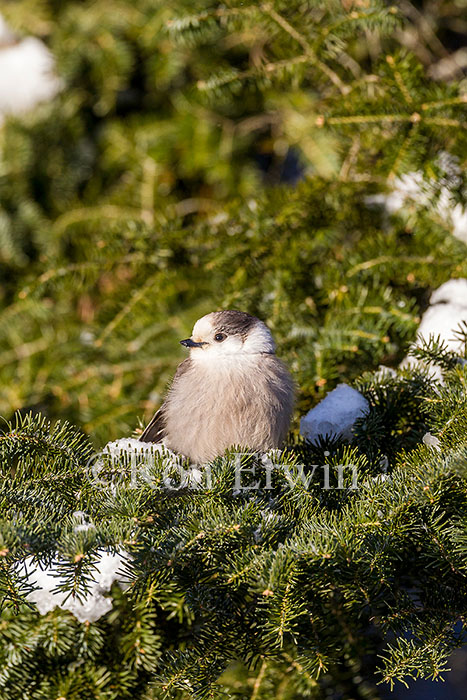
(189, 343)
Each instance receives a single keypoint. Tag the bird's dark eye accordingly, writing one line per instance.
(219, 337)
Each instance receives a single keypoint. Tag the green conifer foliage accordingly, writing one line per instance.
(279, 589)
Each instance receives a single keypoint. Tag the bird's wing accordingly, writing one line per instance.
(155, 431)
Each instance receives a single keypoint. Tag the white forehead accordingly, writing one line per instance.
(203, 326)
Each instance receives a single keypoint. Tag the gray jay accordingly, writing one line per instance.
(231, 390)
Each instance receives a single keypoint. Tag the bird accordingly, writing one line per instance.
(232, 391)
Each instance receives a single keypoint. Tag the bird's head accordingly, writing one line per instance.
(229, 333)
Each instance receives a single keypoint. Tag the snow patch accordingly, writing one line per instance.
(447, 310)
(335, 415)
(133, 450)
(141, 456)
(414, 187)
(93, 605)
(27, 74)
(129, 446)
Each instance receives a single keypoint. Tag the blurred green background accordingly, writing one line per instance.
(204, 155)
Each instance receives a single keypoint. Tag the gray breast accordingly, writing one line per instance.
(246, 403)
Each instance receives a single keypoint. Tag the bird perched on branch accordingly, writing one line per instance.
(232, 390)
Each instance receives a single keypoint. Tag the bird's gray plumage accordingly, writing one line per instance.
(233, 391)
(155, 431)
